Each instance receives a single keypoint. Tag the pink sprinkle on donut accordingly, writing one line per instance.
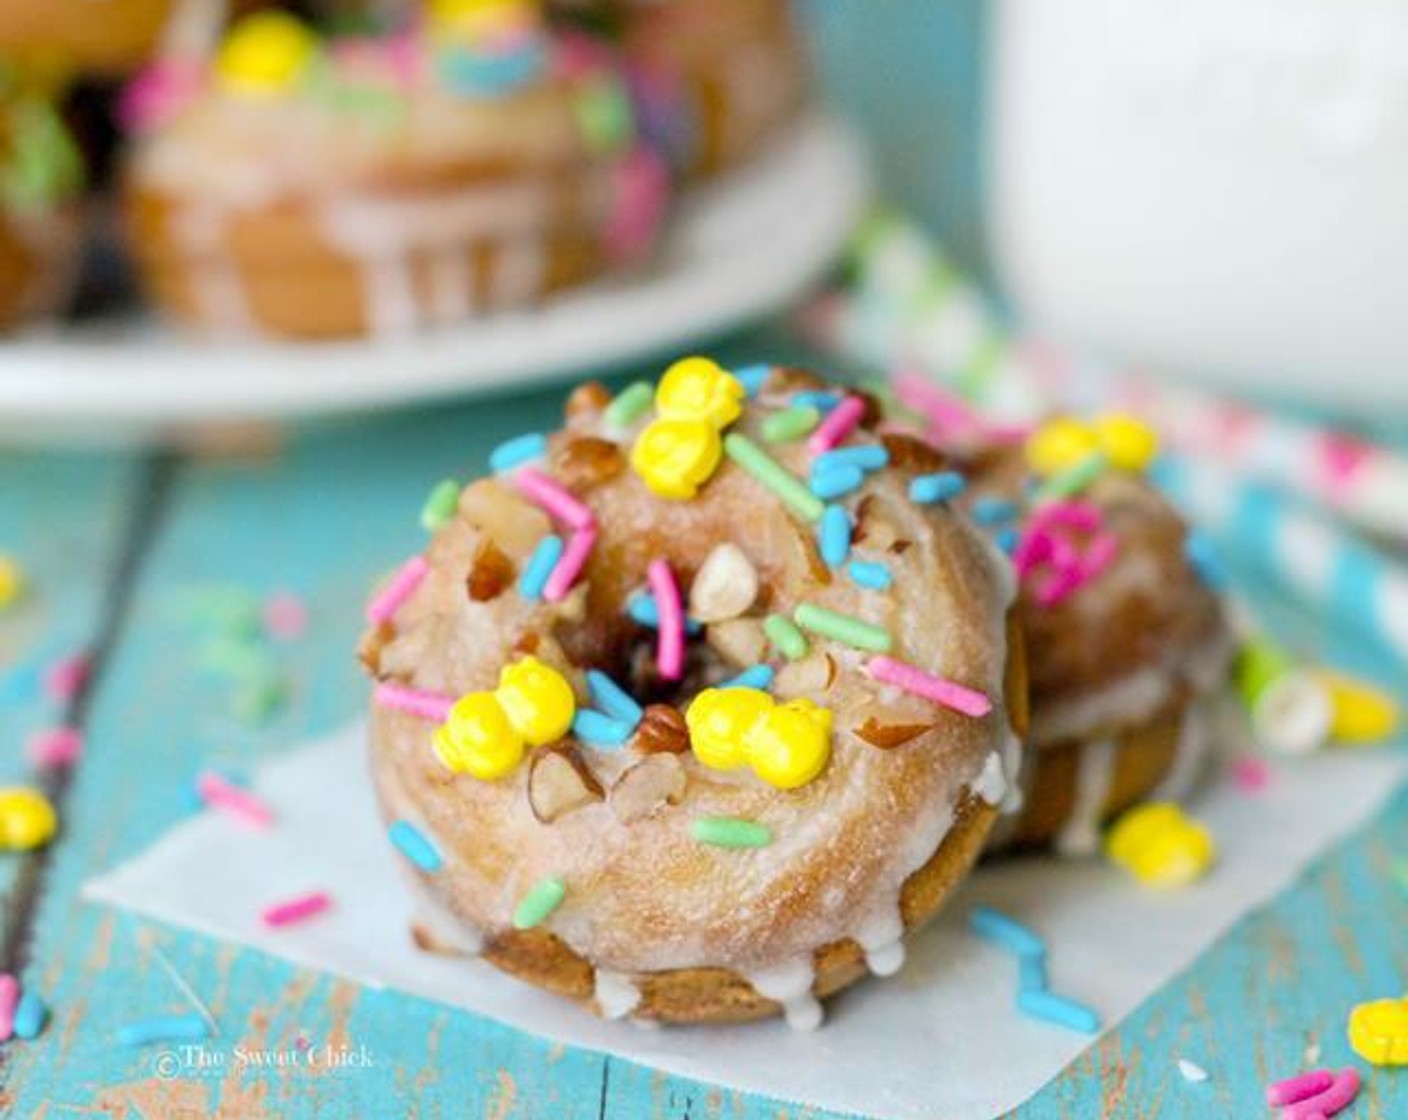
(1036, 547)
(948, 414)
(943, 692)
(431, 706)
(54, 747)
(67, 676)
(1299, 1087)
(570, 564)
(548, 493)
(9, 998)
(840, 422)
(295, 909)
(1099, 555)
(400, 588)
(1070, 514)
(220, 793)
(669, 655)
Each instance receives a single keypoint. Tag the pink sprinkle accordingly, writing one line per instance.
(67, 676)
(1251, 774)
(642, 191)
(220, 793)
(1099, 555)
(9, 997)
(948, 414)
(1071, 514)
(669, 654)
(840, 422)
(285, 616)
(570, 564)
(428, 705)
(400, 588)
(943, 692)
(548, 493)
(1061, 584)
(54, 747)
(1299, 1087)
(295, 909)
(1338, 1096)
(1035, 548)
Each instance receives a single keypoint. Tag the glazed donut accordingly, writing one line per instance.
(316, 188)
(1127, 643)
(708, 816)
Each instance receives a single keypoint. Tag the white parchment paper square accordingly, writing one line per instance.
(901, 1049)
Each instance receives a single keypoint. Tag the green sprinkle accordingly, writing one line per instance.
(629, 403)
(730, 832)
(842, 628)
(545, 897)
(1400, 875)
(774, 476)
(790, 641)
(258, 701)
(790, 423)
(440, 505)
(1073, 480)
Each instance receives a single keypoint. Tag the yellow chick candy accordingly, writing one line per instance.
(1129, 444)
(1160, 845)
(478, 739)
(791, 744)
(1361, 713)
(11, 581)
(719, 721)
(1059, 444)
(699, 389)
(265, 54)
(1378, 1031)
(676, 457)
(537, 699)
(27, 820)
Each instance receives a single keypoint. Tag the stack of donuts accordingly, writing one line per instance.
(356, 168)
(696, 708)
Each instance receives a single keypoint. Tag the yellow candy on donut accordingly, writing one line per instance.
(790, 745)
(27, 819)
(265, 54)
(478, 739)
(719, 722)
(537, 699)
(1059, 444)
(700, 389)
(1160, 845)
(1378, 1031)
(676, 457)
(1128, 443)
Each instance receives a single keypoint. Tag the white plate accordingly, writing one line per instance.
(738, 249)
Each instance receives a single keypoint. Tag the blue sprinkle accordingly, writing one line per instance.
(30, 1014)
(163, 1028)
(517, 451)
(835, 535)
(1007, 539)
(415, 846)
(870, 457)
(837, 482)
(755, 676)
(540, 565)
(1031, 974)
(1041, 1004)
(642, 610)
(753, 377)
(997, 927)
(1205, 561)
(599, 729)
(993, 511)
(939, 487)
(814, 398)
(870, 575)
(612, 699)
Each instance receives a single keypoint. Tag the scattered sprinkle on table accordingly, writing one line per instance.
(219, 792)
(515, 452)
(415, 846)
(66, 677)
(782, 632)
(53, 747)
(1315, 1095)
(295, 910)
(842, 628)
(9, 1000)
(1053, 1008)
(440, 504)
(770, 473)
(163, 1028)
(1006, 932)
(1251, 774)
(539, 903)
(285, 616)
(730, 832)
(30, 1016)
(1191, 1071)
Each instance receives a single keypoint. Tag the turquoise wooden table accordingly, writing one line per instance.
(118, 544)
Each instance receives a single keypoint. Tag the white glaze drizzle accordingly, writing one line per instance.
(214, 276)
(790, 984)
(992, 784)
(451, 284)
(1190, 755)
(1080, 835)
(616, 996)
(882, 941)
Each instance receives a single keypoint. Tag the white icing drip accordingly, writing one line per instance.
(392, 306)
(1080, 835)
(790, 984)
(992, 783)
(214, 276)
(885, 960)
(518, 273)
(881, 937)
(1190, 755)
(451, 284)
(616, 996)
